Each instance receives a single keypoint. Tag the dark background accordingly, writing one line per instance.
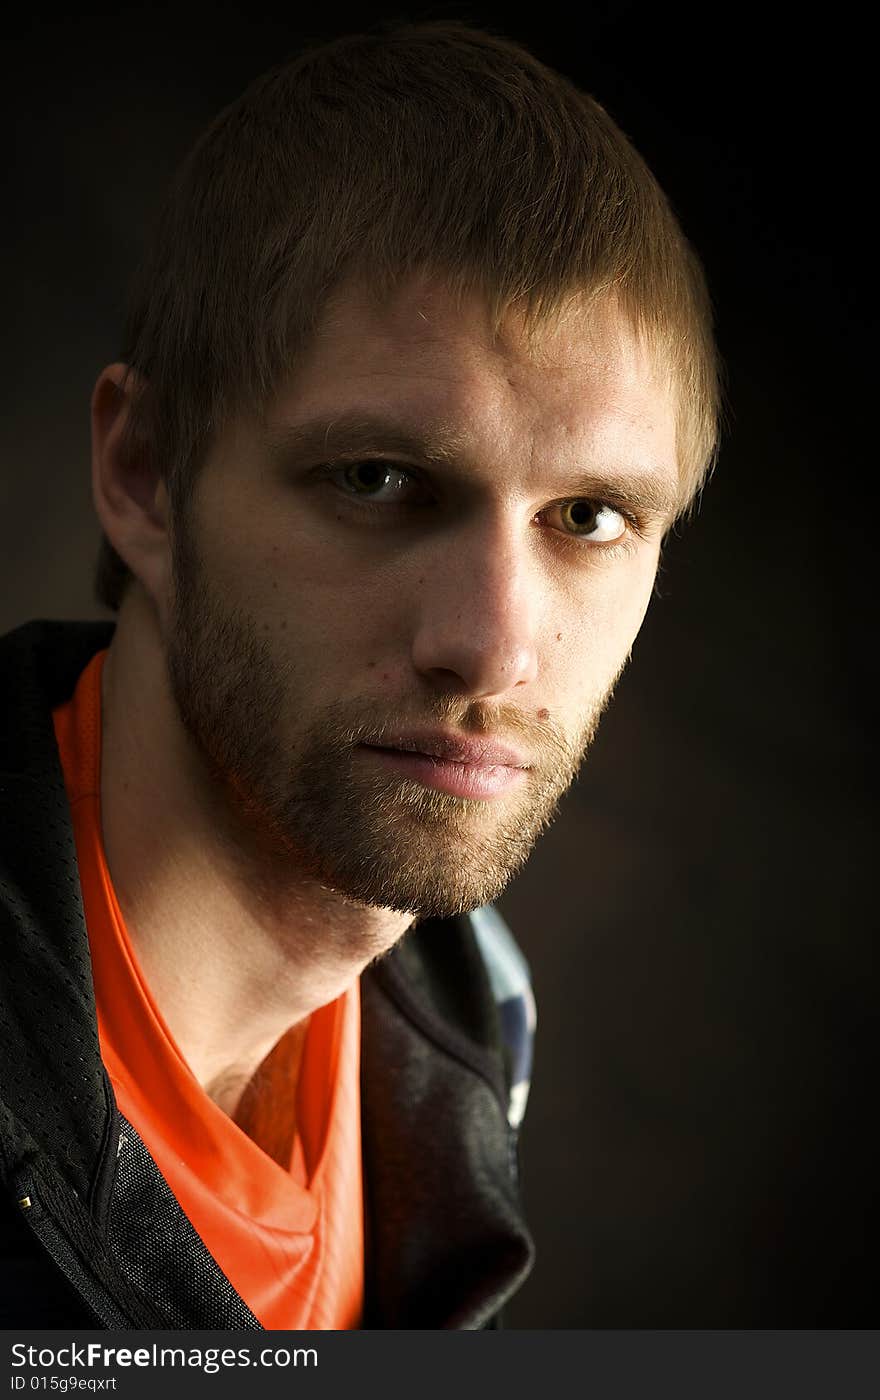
(698, 1150)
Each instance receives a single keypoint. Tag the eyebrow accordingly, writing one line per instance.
(439, 443)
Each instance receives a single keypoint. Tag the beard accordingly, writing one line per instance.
(310, 806)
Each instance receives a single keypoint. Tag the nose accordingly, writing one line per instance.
(475, 633)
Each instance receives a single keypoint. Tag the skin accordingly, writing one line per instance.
(261, 856)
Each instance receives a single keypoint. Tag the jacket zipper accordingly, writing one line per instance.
(66, 1259)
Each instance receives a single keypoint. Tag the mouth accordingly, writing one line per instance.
(472, 768)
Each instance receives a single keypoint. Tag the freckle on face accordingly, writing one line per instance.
(559, 636)
(543, 714)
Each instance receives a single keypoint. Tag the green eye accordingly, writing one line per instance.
(590, 520)
(578, 516)
(374, 478)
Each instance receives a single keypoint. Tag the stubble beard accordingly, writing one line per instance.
(316, 809)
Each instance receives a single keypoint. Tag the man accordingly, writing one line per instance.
(419, 372)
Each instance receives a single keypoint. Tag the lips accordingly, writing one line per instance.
(471, 768)
(479, 753)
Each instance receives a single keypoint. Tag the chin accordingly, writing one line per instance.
(421, 892)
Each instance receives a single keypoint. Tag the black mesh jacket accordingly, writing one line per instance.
(90, 1232)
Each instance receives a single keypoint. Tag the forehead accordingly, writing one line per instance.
(581, 382)
(424, 319)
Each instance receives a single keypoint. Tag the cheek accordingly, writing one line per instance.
(621, 607)
(596, 631)
(335, 625)
(279, 568)
(334, 618)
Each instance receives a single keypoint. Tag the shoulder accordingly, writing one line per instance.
(465, 984)
(40, 664)
(511, 984)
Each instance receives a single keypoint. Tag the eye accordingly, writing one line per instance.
(589, 520)
(374, 480)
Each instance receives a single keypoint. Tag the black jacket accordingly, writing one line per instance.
(90, 1233)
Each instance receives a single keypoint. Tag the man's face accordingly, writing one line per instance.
(403, 597)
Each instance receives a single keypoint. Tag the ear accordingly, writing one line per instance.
(128, 491)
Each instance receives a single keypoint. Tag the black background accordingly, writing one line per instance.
(698, 1150)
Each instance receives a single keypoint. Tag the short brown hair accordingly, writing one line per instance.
(423, 146)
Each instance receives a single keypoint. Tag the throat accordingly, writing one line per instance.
(264, 1105)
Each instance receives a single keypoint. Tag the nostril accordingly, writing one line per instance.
(447, 680)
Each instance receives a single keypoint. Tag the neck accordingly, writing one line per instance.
(236, 947)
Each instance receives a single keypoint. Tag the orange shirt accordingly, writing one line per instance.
(290, 1242)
